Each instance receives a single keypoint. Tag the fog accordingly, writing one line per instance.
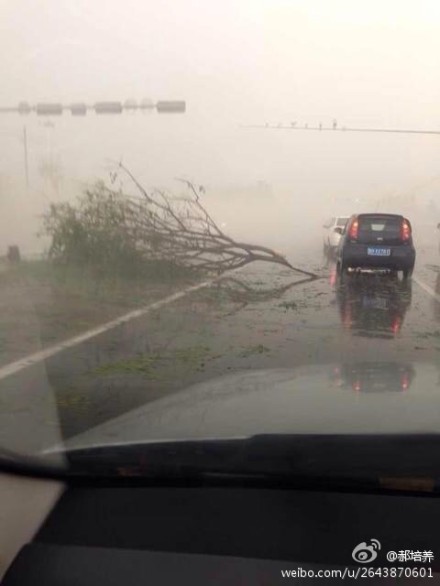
(241, 62)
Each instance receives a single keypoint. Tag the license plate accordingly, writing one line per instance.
(374, 302)
(379, 251)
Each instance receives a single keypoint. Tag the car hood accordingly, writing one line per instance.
(363, 398)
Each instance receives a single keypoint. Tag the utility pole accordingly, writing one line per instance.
(26, 166)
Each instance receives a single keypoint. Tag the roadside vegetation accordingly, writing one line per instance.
(112, 250)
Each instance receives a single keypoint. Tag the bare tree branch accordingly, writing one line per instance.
(168, 227)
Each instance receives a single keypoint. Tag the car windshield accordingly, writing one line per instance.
(174, 267)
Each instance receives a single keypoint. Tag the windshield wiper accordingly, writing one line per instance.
(353, 462)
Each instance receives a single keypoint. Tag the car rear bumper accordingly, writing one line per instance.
(356, 256)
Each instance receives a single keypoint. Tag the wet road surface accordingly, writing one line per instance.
(264, 316)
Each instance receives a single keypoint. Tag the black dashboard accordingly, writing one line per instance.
(194, 535)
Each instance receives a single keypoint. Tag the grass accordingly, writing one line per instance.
(158, 365)
(172, 363)
(289, 305)
(255, 350)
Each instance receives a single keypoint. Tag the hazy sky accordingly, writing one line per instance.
(357, 60)
(363, 63)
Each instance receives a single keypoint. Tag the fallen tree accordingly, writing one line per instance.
(156, 226)
(240, 293)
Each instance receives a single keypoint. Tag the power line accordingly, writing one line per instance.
(339, 129)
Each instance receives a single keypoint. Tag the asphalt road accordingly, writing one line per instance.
(264, 316)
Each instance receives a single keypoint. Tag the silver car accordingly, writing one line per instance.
(333, 229)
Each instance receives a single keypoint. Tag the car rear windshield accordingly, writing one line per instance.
(341, 221)
(378, 228)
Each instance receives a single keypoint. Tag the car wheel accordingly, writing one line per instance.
(341, 269)
(406, 273)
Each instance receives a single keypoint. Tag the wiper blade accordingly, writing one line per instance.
(356, 462)
(346, 459)
(34, 466)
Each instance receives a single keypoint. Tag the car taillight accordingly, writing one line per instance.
(354, 230)
(356, 386)
(404, 381)
(405, 230)
(395, 328)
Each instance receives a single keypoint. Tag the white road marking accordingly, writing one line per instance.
(427, 288)
(32, 359)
